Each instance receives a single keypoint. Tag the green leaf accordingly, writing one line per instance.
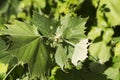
(39, 4)
(113, 73)
(95, 3)
(100, 51)
(80, 52)
(8, 61)
(108, 13)
(94, 33)
(4, 4)
(46, 26)
(73, 28)
(5, 57)
(116, 39)
(28, 47)
(21, 33)
(117, 49)
(2, 45)
(61, 57)
(116, 61)
(107, 36)
(3, 70)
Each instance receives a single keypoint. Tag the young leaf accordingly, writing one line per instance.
(80, 52)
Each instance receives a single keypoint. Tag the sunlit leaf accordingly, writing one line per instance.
(80, 52)
(117, 49)
(107, 36)
(94, 33)
(95, 3)
(100, 51)
(109, 72)
(3, 70)
(73, 28)
(39, 4)
(108, 12)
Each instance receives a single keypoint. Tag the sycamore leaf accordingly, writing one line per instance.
(80, 52)
(72, 28)
(110, 10)
(75, 27)
(100, 51)
(27, 46)
(46, 26)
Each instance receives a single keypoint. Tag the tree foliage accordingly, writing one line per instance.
(59, 40)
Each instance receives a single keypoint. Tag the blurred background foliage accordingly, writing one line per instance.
(23, 9)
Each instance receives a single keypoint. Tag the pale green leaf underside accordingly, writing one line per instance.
(80, 51)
